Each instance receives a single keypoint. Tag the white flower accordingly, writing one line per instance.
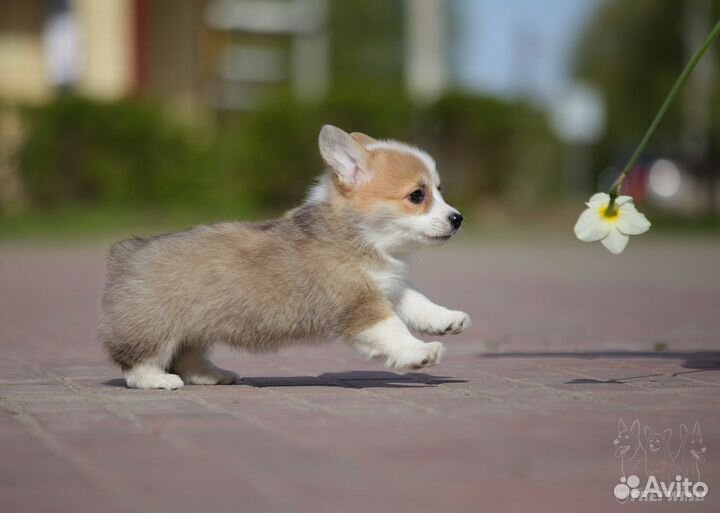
(614, 228)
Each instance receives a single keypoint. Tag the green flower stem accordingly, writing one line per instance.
(615, 189)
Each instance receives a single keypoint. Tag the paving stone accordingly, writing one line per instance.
(520, 416)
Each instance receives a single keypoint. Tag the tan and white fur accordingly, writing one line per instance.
(332, 268)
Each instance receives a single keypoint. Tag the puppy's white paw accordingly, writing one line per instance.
(213, 376)
(417, 356)
(153, 380)
(449, 322)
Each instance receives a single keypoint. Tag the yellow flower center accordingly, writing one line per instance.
(609, 215)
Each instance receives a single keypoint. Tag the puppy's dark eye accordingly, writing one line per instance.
(417, 196)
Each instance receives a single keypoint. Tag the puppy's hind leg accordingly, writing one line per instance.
(144, 365)
(194, 367)
(150, 375)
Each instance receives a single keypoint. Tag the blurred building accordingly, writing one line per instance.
(49, 45)
(220, 53)
(101, 48)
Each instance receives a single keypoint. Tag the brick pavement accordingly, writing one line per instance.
(519, 417)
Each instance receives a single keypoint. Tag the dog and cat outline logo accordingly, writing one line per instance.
(670, 475)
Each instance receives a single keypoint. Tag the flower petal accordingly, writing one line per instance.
(598, 199)
(590, 226)
(615, 241)
(622, 200)
(632, 222)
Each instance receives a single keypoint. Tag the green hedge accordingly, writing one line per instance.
(82, 151)
(79, 150)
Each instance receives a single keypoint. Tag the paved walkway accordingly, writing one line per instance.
(521, 415)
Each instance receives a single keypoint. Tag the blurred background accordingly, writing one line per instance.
(140, 115)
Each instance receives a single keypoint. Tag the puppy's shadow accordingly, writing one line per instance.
(353, 379)
(115, 382)
(349, 379)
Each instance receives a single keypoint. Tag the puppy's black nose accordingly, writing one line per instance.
(456, 220)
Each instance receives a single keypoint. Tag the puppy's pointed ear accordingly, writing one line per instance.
(696, 429)
(621, 426)
(344, 155)
(667, 434)
(635, 427)
(647, 431)
(363, 139)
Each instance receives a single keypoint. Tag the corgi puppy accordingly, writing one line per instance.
(333, 267)
(659, 461)
(628, 447)
(691, 454)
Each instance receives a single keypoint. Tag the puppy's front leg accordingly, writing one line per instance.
(424, 316)
(391, 339)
